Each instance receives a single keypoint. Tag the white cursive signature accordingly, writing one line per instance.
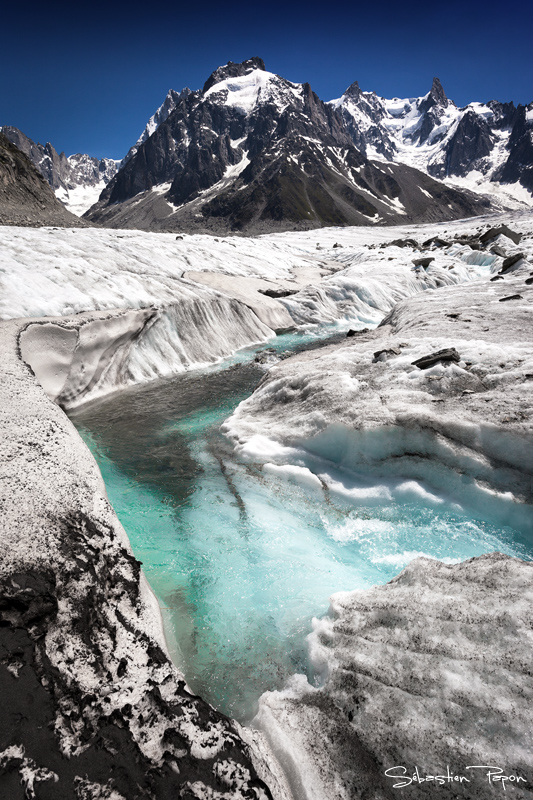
(493, 775)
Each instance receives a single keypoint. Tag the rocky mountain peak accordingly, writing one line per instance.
(436, 97)
(232, 70)
(353, 91)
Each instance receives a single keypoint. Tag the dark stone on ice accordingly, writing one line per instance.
(502, 230)
(498, 251)
(402, 243)
(423, 262)
(446, 356)
(437, 241)
(529, 281)
(511, 261)
(277, 292)
(337, 245)
(382, 355)
(510, 297)
(498, 278)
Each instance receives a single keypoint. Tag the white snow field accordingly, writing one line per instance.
(79, 199)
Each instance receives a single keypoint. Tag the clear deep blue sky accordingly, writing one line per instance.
(86, 77)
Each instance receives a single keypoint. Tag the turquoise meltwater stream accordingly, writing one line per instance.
(240, 559)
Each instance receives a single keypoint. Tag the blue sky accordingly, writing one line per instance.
(87, 77)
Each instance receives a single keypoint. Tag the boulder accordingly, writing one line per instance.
(446, 356)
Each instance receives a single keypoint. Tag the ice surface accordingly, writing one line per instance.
(450, 440)
(457, 439)
(241, 557)
(52, 273)
(427, 671)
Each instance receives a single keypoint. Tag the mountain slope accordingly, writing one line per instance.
(254, 152)
(77, 180)
(486, 147)
(25, 196)
(165, 109)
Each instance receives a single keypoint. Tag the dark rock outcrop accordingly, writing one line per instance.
(62, 172)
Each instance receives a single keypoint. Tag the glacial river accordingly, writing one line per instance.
(241, 560)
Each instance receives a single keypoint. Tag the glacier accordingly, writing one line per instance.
(201, 297)
(89, 312)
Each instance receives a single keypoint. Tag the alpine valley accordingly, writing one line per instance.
(266, 463)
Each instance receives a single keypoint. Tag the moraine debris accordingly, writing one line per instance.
(510, 261)
(423, 262)
(502, 230)
(510, 297)
(446, 356)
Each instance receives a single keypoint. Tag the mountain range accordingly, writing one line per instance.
(26, 198)
(77, 180)
(253, 152)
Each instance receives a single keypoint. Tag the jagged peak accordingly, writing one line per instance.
(353, 91)
(435, 97)
(437, 92)
(233, 70)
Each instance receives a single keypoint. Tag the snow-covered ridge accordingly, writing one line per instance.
(246, 92)
(467, 147)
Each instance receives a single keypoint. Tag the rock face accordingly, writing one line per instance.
(169, 104)
(254, 152)
(519, 165)
(486, 143)
(25, 197)
(92, 706)
(62, 172)
(65, 175)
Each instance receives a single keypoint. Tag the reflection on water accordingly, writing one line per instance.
(239, 559)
